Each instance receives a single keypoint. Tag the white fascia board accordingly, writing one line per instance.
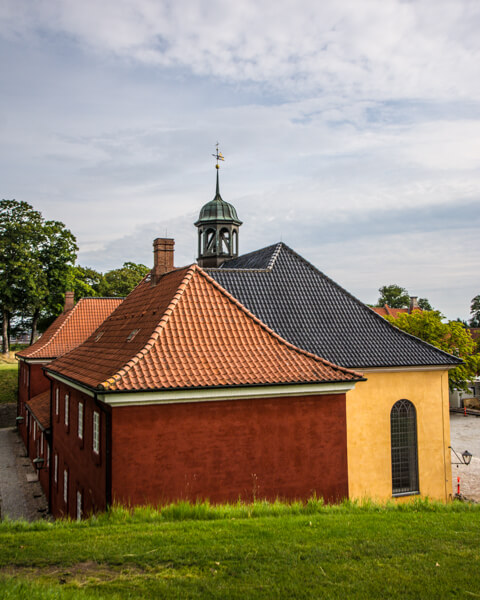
(36, 361)
(366, 370)
(76, 386)
(222, 394)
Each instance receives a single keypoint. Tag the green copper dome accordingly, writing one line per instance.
(218, 210)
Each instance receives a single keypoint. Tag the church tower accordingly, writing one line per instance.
(218, 225)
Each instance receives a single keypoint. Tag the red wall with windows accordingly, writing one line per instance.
(86, 469)
(31, 382)
(37, 449)
(264, 448)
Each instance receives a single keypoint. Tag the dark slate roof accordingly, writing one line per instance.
(313, 312)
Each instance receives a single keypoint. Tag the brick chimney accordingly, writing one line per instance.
(413, 304)
(69, 301)
(162, 258)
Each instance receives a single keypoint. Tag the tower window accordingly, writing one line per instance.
(403, 427)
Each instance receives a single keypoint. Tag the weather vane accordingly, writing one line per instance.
(218, 155)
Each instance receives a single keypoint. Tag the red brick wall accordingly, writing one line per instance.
(267, 448)
(86, 469)
(38, 382)
(31, 382)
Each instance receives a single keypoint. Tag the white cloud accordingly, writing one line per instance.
(387, 49)
(359, 117)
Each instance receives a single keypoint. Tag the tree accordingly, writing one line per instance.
(452, 337)
(393, 295)
(120, 282)
(20, 227)
(475, 312)
(424, 304)
(56, 253)
(85, 282)
(35, 258)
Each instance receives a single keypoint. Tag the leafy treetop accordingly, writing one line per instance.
(452, 337)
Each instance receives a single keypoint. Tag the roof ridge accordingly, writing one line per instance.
(363, 306)
(156, 332)
(269, 330)
(269, 267)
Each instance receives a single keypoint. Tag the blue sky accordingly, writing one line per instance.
(351, 131)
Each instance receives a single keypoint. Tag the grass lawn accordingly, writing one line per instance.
(8, 381)
(347, 551)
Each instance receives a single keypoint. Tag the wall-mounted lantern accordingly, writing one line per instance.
(38, 463)
(464, 459)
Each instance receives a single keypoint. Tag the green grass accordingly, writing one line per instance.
(8, 382)
(421, 550)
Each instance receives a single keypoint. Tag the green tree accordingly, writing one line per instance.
(20, 232)
(85, 282)
(475, 312)
(35, 258)
(393, 295)
(424, 304)
(56, 254)
(120, 282)
(452, 337)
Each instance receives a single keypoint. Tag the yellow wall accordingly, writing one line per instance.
(368, 432)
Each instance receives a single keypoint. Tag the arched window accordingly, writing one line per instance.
(403, 427)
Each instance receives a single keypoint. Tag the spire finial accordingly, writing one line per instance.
(218, 155)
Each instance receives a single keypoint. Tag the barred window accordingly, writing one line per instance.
(403, 425)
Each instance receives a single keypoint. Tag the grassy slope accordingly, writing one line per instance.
(8, 382)
(335, 552)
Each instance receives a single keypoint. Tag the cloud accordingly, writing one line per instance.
(389, 49)
(347, 127)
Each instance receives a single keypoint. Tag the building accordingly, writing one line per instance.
(255, 376)
(388, 311)
(182, 393)
(69, 329)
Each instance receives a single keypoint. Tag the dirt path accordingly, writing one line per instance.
(19, 497)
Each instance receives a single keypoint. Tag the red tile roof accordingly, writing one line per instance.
(188, 332)
(386, 310)
(71, 328)
(39, 406)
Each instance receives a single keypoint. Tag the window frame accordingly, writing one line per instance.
(67, 410)
(404, 449)
(96, 432)
(81, 419)
(65, 486)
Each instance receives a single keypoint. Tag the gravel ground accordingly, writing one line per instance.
(19, 498)
(465, 435)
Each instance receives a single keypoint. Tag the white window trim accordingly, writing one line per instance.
(55, 469)
(67, 409)
(57, 394)
(79, 505)
(80, 420)
(96, 432)
(65, 486)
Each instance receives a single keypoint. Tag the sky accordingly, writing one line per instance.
(350, 130)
